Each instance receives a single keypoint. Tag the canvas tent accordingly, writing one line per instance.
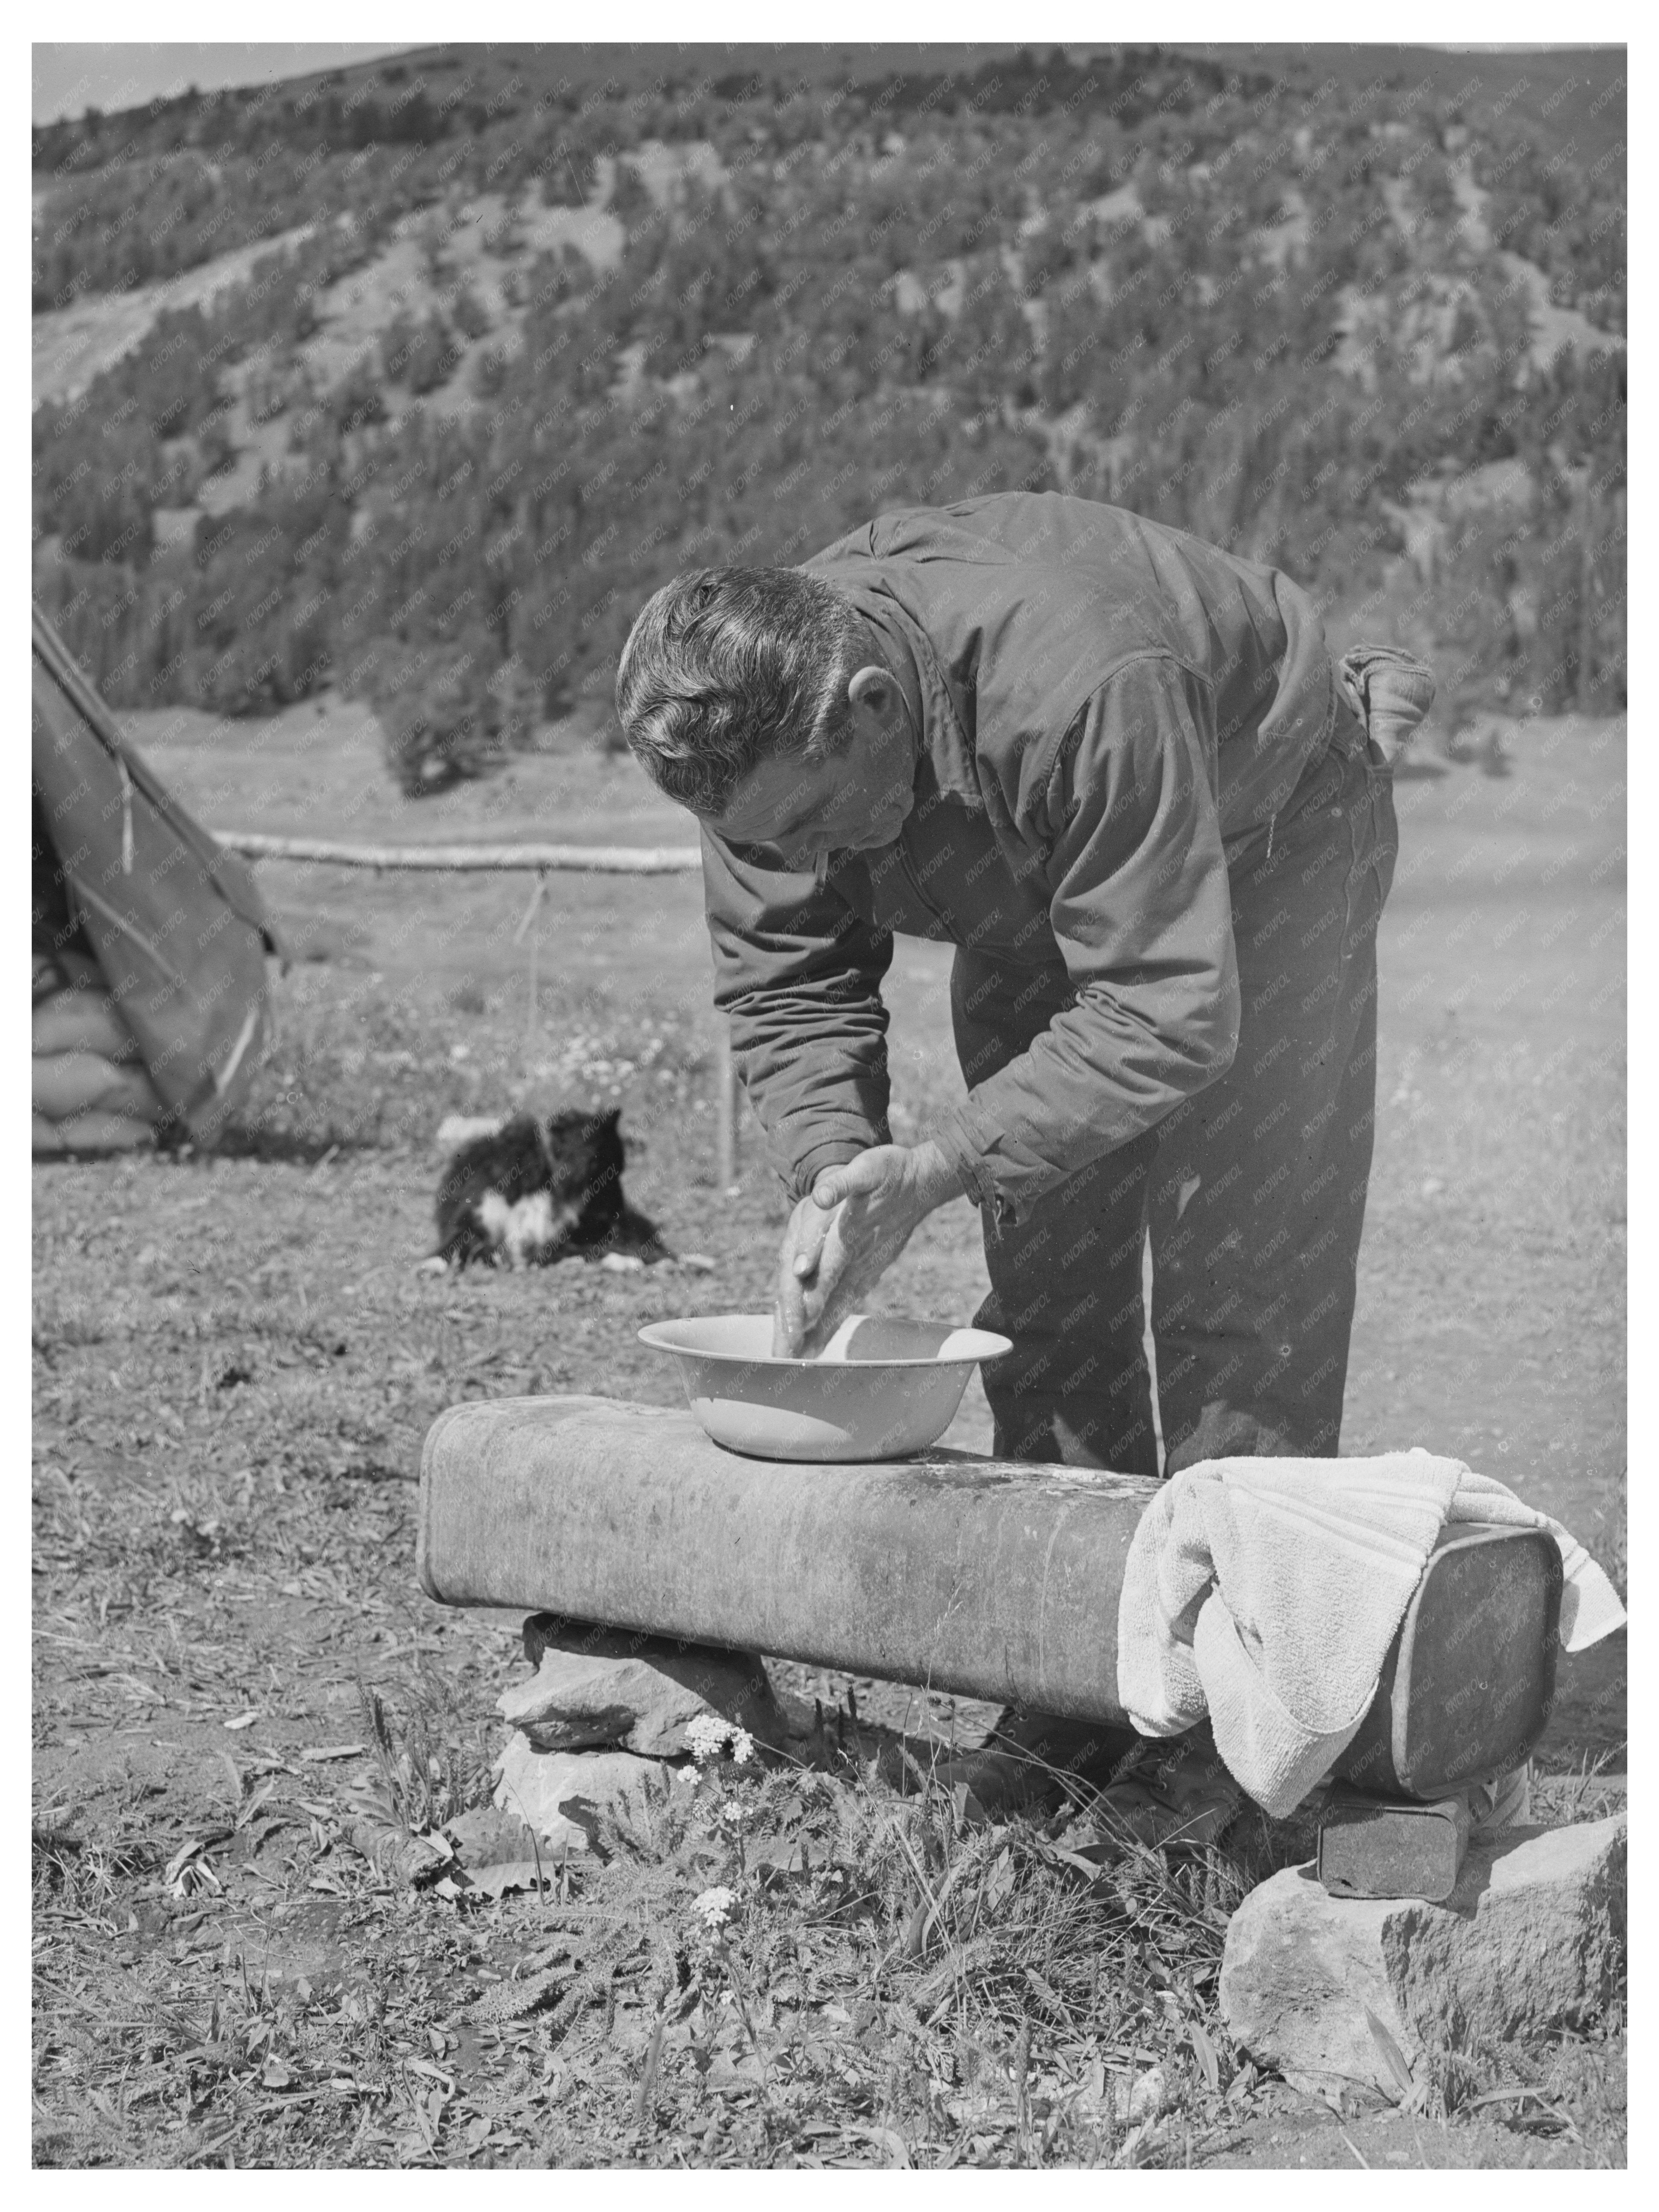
(149, 940)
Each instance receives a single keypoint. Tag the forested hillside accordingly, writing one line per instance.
(525, 340)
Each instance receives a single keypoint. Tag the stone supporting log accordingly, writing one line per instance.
(616, 1689)
(1348, 1998)
(566, 1796)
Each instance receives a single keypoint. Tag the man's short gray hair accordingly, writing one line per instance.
(727, 667)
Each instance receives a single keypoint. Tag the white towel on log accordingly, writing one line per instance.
(1265, 1593)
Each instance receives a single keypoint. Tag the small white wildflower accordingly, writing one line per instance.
(714, 1907)
(706, 1735)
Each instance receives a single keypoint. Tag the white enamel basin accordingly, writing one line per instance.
(879, 1389)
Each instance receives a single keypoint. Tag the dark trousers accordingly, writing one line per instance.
(1254, 1191)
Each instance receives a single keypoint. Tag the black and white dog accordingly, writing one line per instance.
(527, 1195)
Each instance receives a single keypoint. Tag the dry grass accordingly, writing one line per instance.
(890, 1986)
(887, 1984)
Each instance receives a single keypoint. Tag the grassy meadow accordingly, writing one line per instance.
(235, 1361)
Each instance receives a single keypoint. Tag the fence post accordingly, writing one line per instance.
(726, 1107)
(530, 913)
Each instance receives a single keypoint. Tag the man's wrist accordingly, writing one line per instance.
(935, 1177)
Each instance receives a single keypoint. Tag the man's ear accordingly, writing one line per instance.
(874, 689)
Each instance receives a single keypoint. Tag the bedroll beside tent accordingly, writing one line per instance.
(149, 940)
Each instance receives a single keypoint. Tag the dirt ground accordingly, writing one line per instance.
(236, 1363)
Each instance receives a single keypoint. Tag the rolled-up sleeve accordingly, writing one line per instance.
(1141, 912)
(798, 973)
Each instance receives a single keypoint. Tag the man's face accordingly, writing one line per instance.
(791, 813)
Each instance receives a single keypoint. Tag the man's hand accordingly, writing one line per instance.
(845, 1234)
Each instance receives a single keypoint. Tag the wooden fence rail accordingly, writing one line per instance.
(540, 861)
(592, 860)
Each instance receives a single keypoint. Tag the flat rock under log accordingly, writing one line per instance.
(597, 1687)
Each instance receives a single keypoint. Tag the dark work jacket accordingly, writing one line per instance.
(1107, 713)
